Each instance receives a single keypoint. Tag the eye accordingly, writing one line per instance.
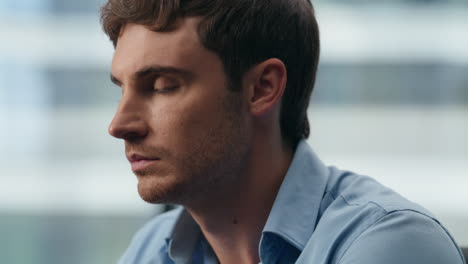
(164, 84)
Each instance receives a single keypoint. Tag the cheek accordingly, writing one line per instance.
(198, 122)
(183, 123)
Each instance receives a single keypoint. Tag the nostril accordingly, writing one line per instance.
(132, 136)
(128, 130)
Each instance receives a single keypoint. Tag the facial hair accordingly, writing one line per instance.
(214, 162)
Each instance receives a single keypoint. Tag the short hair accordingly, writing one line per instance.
(242, 33)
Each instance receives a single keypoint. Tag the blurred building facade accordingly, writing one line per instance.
(391, 101)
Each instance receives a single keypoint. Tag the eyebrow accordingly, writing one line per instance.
(156, 69)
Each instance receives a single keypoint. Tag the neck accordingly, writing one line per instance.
(233, 223)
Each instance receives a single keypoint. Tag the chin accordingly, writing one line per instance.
(152, 194)
(159, 192)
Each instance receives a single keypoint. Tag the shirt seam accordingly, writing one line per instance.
(375, 212)
(380, 218)
(335, 196)
(360, 235)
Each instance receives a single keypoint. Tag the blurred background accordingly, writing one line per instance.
(391, 101)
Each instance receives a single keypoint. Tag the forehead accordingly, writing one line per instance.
(138, 47)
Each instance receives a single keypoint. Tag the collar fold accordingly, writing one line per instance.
(292, 218)
(183, 238)
(294, 214)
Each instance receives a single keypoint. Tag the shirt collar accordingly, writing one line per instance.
(294, 214)
(183, 237)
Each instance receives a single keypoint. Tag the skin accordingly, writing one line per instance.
(218, 153)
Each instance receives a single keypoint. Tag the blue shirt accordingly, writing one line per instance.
(321, 215)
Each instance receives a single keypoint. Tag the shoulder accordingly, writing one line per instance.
(358, 190)
(150, 240)
(362, 221)
(403, 237)
(351, 193)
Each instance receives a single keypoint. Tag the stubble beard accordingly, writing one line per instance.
(213, 166)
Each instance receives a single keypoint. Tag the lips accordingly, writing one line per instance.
(140, 162)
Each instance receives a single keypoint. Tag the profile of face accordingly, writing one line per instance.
(185, 132)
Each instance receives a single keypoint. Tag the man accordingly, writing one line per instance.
(213, 115)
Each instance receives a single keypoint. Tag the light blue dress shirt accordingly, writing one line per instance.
(321, 215)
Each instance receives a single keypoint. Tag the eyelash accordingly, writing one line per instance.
(168, 84)
(166, 89)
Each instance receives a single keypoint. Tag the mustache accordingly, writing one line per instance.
(146, 150)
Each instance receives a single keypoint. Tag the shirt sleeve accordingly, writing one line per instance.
(403, 237)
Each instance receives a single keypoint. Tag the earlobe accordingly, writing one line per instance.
(268, 81)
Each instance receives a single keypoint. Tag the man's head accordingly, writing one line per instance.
(197, 78)
(242, 33)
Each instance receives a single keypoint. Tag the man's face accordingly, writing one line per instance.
(185, 133)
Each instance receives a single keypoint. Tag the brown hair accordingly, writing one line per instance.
(242, 33)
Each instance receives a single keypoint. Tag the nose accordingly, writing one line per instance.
(128, 122)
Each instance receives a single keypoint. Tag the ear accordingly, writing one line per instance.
(266, 84)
